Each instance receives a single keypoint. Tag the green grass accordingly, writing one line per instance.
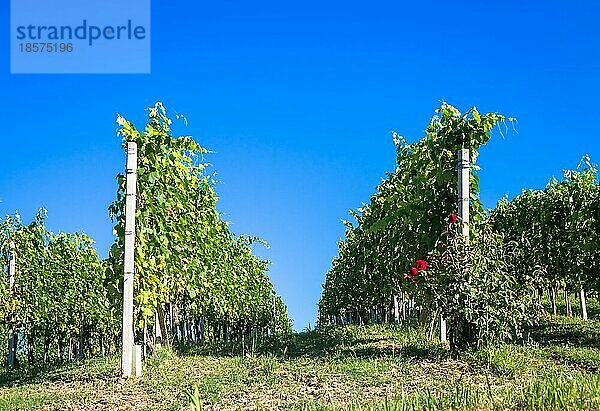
(350, 368)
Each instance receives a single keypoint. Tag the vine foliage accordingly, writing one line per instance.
(189, 265)
(411, 219)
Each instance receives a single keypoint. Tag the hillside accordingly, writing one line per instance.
(373, 367)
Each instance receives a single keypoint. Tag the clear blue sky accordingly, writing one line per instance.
(298, 101)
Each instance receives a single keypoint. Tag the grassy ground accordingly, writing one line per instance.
(356, 368)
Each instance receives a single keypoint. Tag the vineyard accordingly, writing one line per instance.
(432, 303)
(408, 258)
(58, 307)
(195, 280)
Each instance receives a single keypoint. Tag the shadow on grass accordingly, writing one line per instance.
(15, 377)
(72, 372)
(328, 342)
(370, 342)
(385, 341)
(566, 331)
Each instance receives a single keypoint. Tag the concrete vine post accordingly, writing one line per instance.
(443, 330)
(12, 335)
(396, 311)
(129, 261)
(582, 302)
(463, 191)
(464, 199)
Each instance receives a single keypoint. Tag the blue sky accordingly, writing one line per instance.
(298, 102)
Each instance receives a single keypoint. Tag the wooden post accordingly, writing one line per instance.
(582, 303)
(12, 335)
(129, 264)
(162, 325)
(157, 331)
